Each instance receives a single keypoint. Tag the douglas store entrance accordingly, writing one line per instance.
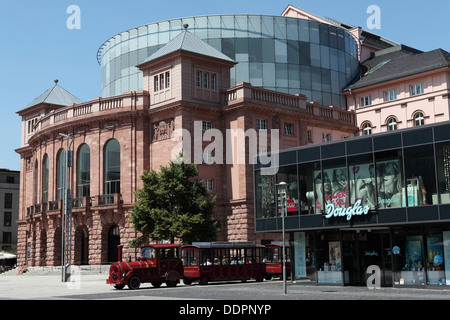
(364, 248)
(414, 255)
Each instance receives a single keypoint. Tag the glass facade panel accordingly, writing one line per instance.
(443, 172)
(362, 180)
(310, 188)
(389, 179)
(247, 39)
(335, 183)
(265, 195)
(289, 175)
(420, 176)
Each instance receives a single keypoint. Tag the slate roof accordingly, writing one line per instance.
(399, 62)
(186, 41)
(56, 96)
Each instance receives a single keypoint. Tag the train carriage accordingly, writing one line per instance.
(273, 259)
(222, 261)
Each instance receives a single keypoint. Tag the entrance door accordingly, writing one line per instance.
(113, 242)
(364, 249)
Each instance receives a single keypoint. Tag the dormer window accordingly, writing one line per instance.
(205, 80)
(161, 81)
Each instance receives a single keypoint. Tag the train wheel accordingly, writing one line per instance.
(204, 280)
(134, 283)
(269, 276)
(260, 277)
(171, 283)
(157, 284)
(188, 281)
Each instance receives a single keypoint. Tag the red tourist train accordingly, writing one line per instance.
(201, 262)
(158, 263)
(218, 261)
(273, 259)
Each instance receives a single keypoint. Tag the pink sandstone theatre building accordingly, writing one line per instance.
(178, 85)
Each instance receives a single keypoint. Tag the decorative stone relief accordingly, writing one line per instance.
(163, 130)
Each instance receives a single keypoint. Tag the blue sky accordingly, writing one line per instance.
(37, 47)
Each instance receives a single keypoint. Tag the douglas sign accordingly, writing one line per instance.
(356, 210)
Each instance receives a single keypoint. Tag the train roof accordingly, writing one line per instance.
(223, 244)
(159, 246)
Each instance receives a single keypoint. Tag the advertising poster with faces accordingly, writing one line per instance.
(380, 185)
(331, 188)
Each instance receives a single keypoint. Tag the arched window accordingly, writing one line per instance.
(367, 129)
(83, 171)
(45, 179)
(36, 182)
(60, 173)
(392, 124)
(419, 120)
(112, 167)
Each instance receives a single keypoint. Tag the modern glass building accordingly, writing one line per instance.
(285, 54)
(382, 201)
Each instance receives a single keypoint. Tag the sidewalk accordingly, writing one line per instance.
(46, 283)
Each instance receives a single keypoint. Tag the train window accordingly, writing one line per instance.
(168, 253)
(190, 257)
(148, 253)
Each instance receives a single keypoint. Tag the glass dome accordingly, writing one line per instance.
(278, 53)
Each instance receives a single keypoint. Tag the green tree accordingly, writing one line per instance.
(174, 203)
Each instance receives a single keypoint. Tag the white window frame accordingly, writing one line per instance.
(392, 124)
(419, 117)
(367, 129)
(207, 125)
(366, 101)
(390, 95)
(416, 89)
(209, 184)
(260, 126)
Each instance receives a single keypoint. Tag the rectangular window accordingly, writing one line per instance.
(209, 185)
(366, 101)
(156, 82)
(289, 129)
(206, 125)
(7, 219)
(206, 80)
(161, 81)
(198, 79)
(390, 95)
(9, 179)
(213, 81)
(7, 237)
(261, 124)
(309, 135)
(417, 89)
(420, 175)
(326, 137)
(8, 200)
(167, 80)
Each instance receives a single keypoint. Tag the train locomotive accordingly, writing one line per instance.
(158, 263)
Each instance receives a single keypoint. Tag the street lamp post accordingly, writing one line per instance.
(282, 191)
(67, 211)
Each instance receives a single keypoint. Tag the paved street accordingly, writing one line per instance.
(88, 286)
